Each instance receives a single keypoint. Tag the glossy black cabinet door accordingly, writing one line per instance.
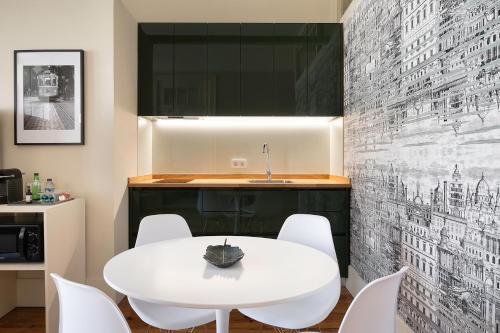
(231, 69)
(224, 64)
(190, 69)
(325, 69)
(156, 70)
(338, 222)
(219, 223)
(342, 250)
(184, 202)
(221, 200)
(263, 212)
(325, 200)
(257, 69)
(290, 69)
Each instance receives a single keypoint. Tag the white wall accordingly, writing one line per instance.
(87, 171)
(145, 147)
(337, 147)
(125, 121)
(235, 10)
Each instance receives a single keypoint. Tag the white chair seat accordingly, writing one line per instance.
(170, 317)
(84, 309)
(297, 314)
(313, 231)
(377, 304)
(157, 228)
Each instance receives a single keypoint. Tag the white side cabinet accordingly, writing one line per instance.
(64, 253)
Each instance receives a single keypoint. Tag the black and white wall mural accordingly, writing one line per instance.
(422, 146)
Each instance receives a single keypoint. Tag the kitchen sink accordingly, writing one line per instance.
(172, 181)
(272, 181)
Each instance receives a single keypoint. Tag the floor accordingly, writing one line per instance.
(31, 320)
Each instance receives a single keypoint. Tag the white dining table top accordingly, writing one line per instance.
(174, 272)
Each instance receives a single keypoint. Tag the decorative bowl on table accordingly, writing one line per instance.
(223, 255)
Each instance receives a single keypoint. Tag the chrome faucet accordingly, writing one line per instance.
(265, 150)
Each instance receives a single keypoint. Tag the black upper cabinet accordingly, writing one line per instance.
(190, 69)
(224, 63)
(290, 69)
(325, 81)
(257, 69)
(232, 69)
(156, 69)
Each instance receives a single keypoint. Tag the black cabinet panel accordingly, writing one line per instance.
(343, 253)
(224, 64)
(325, 70)
(231, 69)
(257, 70)
(184, 202)
(190, 69)
(325, 200)
(338, 222)
(220, 201)
(155, 70)
(263, 212)
(220, 223)
(290, 69)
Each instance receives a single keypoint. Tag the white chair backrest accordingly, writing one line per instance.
(374, 307)
(84, 309)
(157, 228)
(310, 230)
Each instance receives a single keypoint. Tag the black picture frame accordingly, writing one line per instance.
(77, 103)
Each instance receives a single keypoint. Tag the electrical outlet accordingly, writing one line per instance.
(239, 163)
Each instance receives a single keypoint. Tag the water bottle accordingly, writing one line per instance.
(48, 196)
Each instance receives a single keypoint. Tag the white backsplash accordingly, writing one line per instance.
(196, 148)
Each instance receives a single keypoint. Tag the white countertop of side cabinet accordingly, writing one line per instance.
(28, 208)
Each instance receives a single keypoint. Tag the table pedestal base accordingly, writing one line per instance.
(222, 320)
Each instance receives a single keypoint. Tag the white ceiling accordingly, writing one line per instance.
(235, 10)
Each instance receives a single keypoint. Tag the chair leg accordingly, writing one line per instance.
(284, 330)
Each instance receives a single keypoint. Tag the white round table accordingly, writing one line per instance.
(174, 272)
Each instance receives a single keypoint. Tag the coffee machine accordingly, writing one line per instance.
(11, 186)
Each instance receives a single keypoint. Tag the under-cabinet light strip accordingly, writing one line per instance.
(246, 122)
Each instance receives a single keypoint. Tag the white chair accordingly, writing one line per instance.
(313, 231)
(374, 307)
(84, 309)
(376, 303)
(157, 228)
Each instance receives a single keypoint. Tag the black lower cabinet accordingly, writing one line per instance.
(144, 202)
(244, 212)
(343, 253)
(263, 212)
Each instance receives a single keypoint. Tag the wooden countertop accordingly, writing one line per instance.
(237, 181)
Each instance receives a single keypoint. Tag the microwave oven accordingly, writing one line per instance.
(21, 239)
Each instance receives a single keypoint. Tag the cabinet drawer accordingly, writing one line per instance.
(337, 220)
(326, 200)
(343, 254)
(220, 201)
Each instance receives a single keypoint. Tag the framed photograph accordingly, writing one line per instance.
(48, 97)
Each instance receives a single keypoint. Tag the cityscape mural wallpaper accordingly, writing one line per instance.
(422, 146)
